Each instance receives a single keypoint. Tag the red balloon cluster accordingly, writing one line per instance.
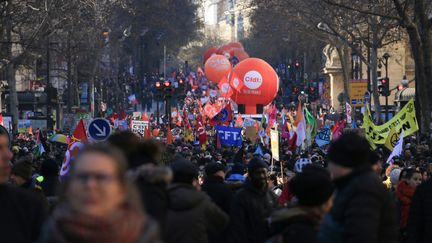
(247, 81)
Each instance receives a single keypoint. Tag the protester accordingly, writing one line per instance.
(363, 210)
(191, 214)
(313, 189)
(252, 206)
(151, 178)
(419, 227)
(98, 203)
(50, 171)
(215, 186)
(405, 192)
(22, 212)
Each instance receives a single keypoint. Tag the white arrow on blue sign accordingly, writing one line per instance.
(99, 129)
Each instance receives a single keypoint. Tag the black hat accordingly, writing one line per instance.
(184, 171)
(213, 167)
(350, 150)
(312, 187)
(23, 169)
(256, 163)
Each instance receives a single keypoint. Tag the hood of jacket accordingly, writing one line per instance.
(184, 197)
(152, 174)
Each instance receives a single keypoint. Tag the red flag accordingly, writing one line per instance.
(218, 144)
(169, 138)
(147, 133)
(239, 121)
(201, 130)
(30, 131)
(144, 117)
(236, 82)
(122, 115)
(225, 88)
(1, 120)
(80, 133)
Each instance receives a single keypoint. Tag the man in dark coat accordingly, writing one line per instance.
(191, 213)
(363, 210)
(215, 186)
(252, 206)
(22, 213)
(419, 229)
(313, 190)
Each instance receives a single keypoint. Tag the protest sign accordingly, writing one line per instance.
(274, 141)
(230, 136)
(139, 126)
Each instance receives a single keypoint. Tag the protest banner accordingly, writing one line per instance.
(230, 136)
(139, 127)
(405, 120)
(274, 141)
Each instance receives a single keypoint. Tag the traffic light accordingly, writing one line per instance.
(159, 90)
(312, 93)
(168, 89)
(384, 88)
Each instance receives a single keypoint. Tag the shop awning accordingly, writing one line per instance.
(405, 94)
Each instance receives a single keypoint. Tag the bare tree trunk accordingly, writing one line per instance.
(343, 52)
(11, 74)
(69, 75)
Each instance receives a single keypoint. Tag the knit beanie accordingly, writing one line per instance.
(213, 167)
(256, 163)
(184, 171)
(350, 150)
(312, 187)
(23, 169)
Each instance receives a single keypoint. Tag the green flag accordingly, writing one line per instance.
(310, 120)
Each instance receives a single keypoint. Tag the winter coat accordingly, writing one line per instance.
(250, 211)
(152, 185)
(294, 225)
(218, 191)
(49, 186)
(404, 194)
(419, 228)
(191, 214)
(222, 195)
(363, 211)
(21, 215)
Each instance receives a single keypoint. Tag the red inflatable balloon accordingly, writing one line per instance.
(260, 81)
(224, 49)
(209, 52)
(236, 45)
(216, 68)
(239, 53)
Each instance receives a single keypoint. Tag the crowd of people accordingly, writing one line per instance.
(131, 189)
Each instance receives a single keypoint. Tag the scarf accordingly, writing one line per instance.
(67, 226)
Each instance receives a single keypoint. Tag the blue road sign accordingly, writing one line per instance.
(99, 129)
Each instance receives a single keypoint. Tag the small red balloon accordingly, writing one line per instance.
(239, 53)
(209, 52)
(216, 68)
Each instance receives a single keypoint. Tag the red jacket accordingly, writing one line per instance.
(286, 195)
(404, 193)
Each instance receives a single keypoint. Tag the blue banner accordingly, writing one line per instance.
(230, 136)
(323, 137)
